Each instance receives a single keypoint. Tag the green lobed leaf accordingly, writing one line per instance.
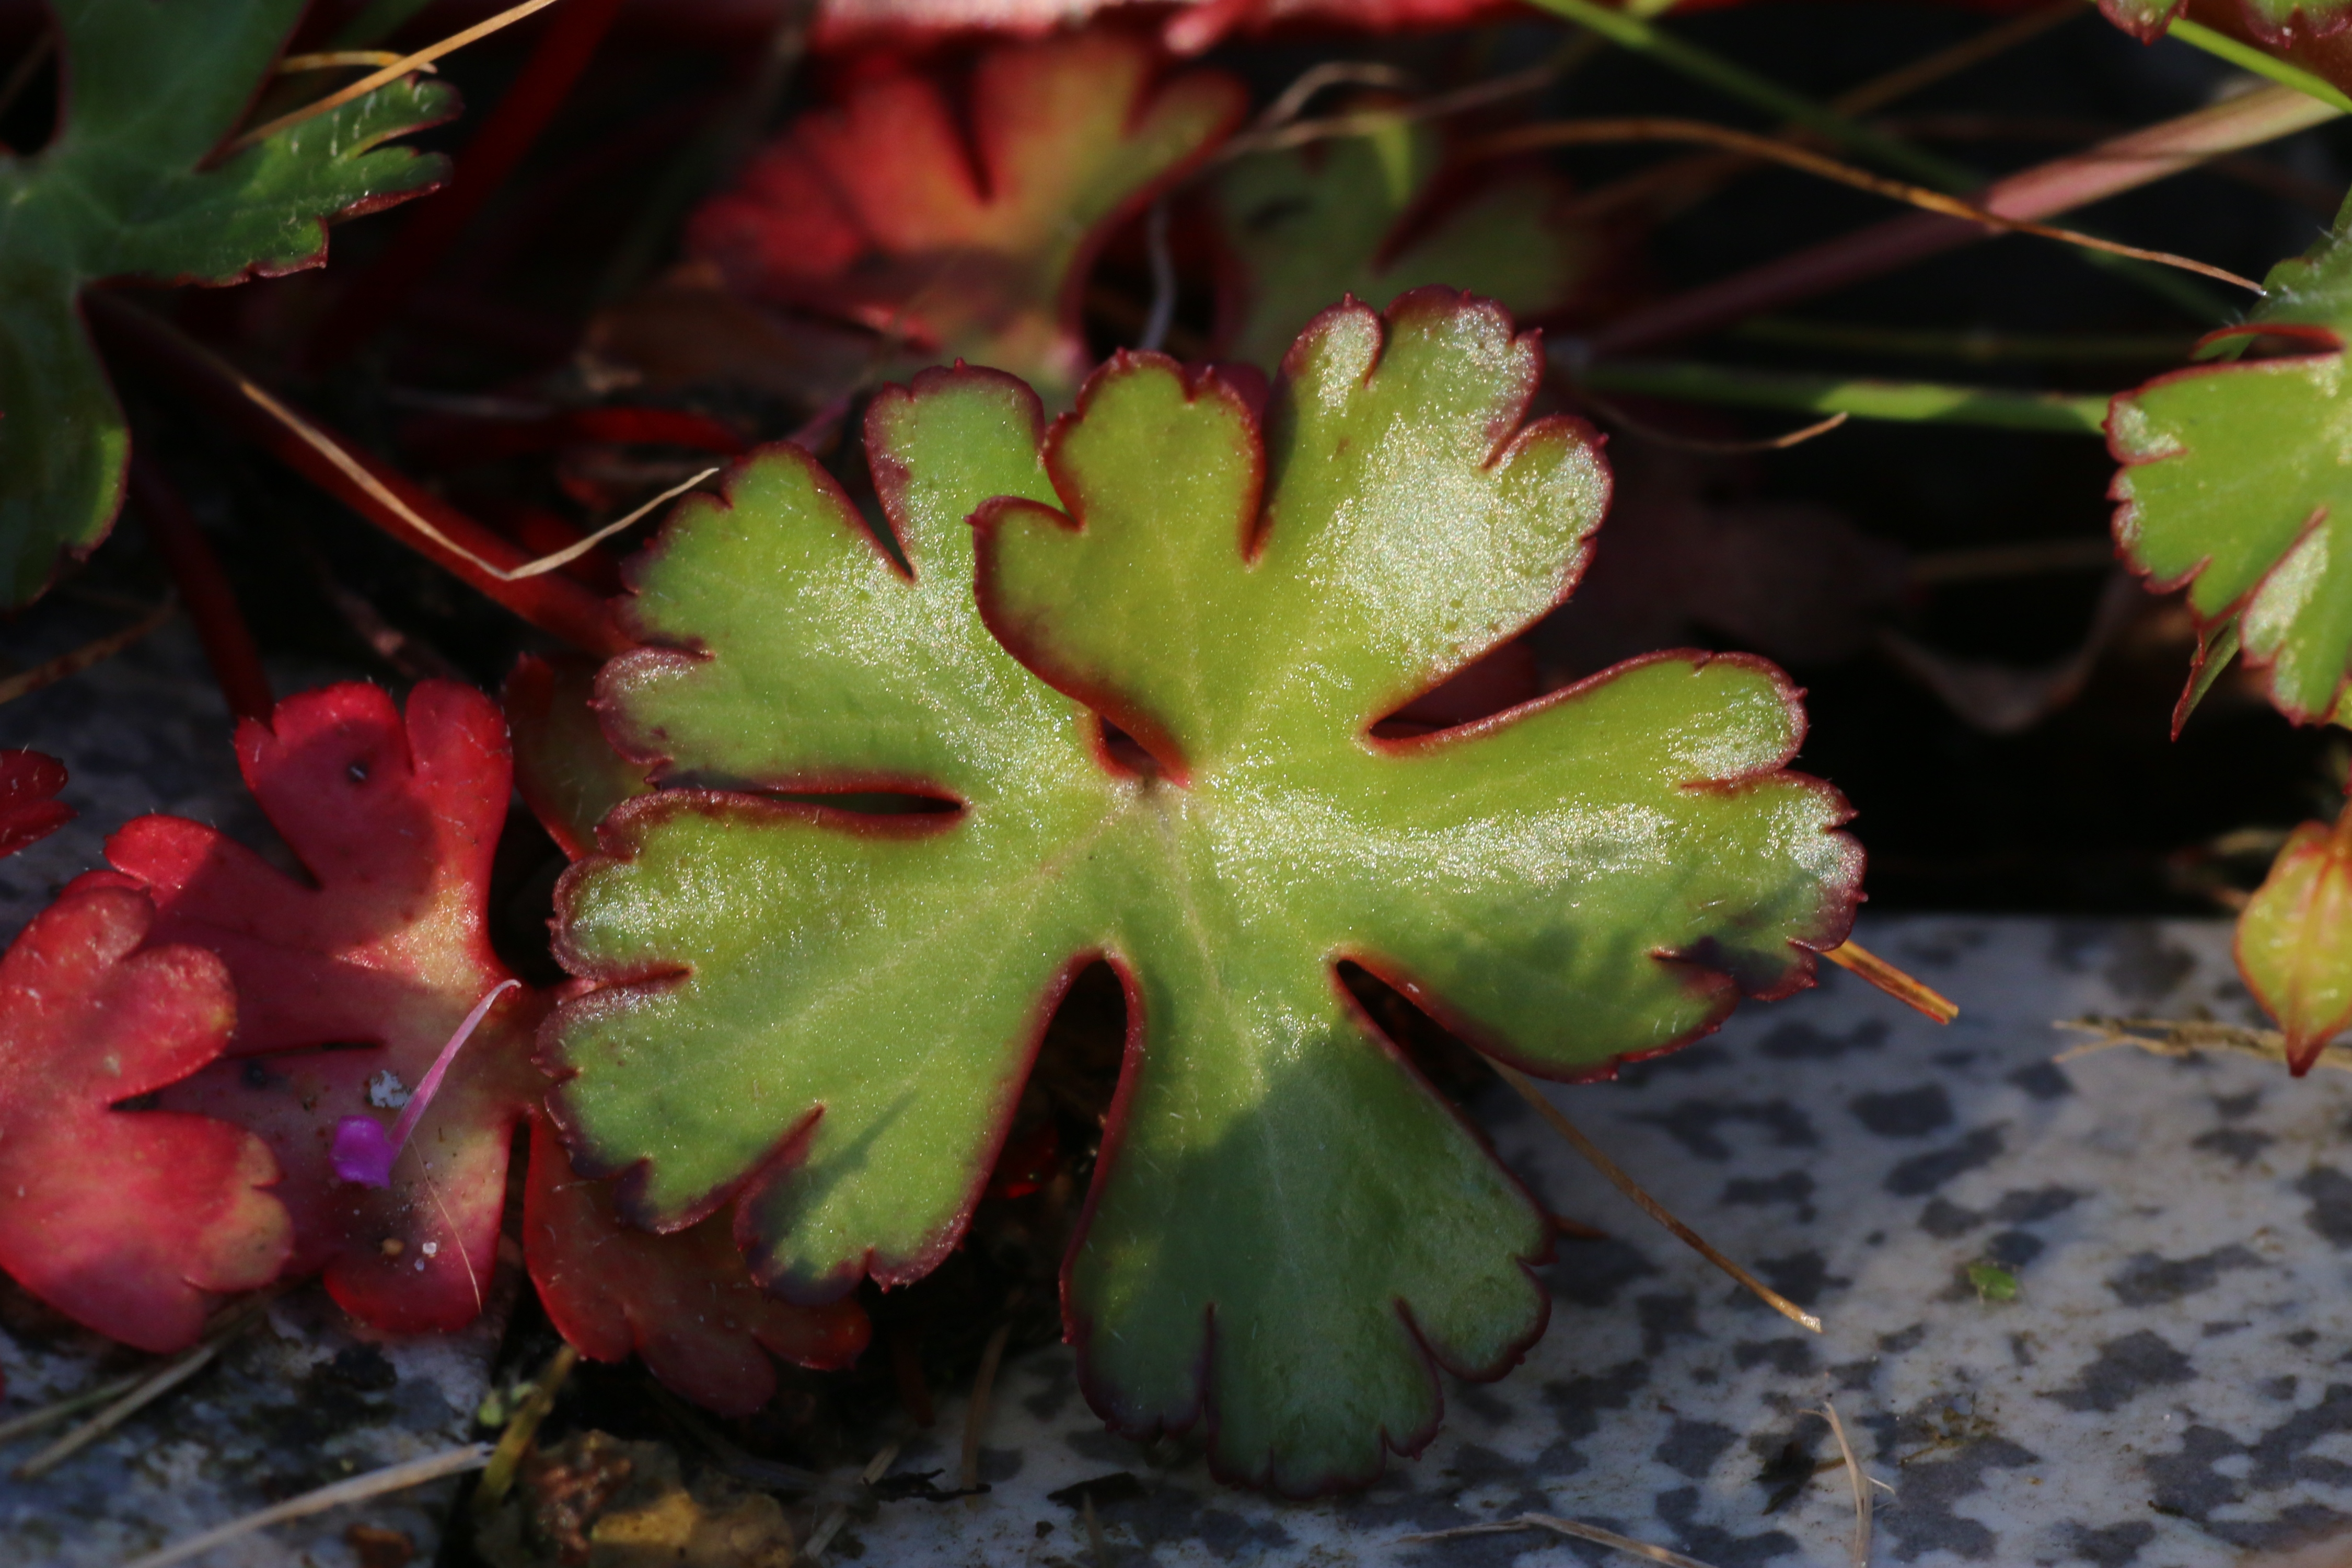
(1349, 216)
(2237, 483)
(151, 87)
(832, 1014)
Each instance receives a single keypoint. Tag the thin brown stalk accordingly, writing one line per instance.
(1576, 1229)
(1861, 1544)
(149, 1388)
(391, 73)
(359, 1488)
(1648, 1205)
(1558, 1526)
(975, 1414)
(49, 1414)
(1095, 1540)
(358, 474)
(1966, 54)
(1667, 128)
(522, 1431)
(97, 652)
(1615, 414)
(2180, 1037)
(1695, 174)
(339, 59)
(2127, 163)
(1853, 957)
(1292, 101)
(1280, 136)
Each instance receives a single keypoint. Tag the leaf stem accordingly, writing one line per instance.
(1853, 957)
(1925, 402)
(1737, 81)
(95, 652)
(2122, 164)
(2247, 58)
(1648, 1205)
(1975, 346)
(1662, 127)
(489, 562)
(204, 586)
(521, 1430)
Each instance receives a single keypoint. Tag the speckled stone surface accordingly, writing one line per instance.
(2170, 1388)
(302, 1398)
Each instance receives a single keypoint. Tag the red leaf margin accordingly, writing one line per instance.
(131, 1222)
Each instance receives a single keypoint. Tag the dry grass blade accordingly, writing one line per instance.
(391, 73)
(522, 1431)
(1855, 958)
(876, 1467)
(1861, 1545)
(1649, 1206)
(49, 1414)
(337, 59)
(93, 653)
(149, 1387)
(351, 468)
(1662, 128)
(1559, 1526)
(975, 1414)
(2187, 1037)
(359, 1488)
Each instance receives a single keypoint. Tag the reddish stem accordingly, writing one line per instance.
(205, 589)
(2123, 163)
(566, 43)
(551, 602)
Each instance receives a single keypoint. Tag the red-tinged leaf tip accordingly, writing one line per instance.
(685, 1302)
(29, 809)
(131, 1222)
(2294, 940)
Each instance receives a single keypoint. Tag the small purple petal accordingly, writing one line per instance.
(363, 1151)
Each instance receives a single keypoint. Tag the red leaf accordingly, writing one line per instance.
(397, 823)
(683, 1302)
(974, 241)
(127, 1220)
(28, 809)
